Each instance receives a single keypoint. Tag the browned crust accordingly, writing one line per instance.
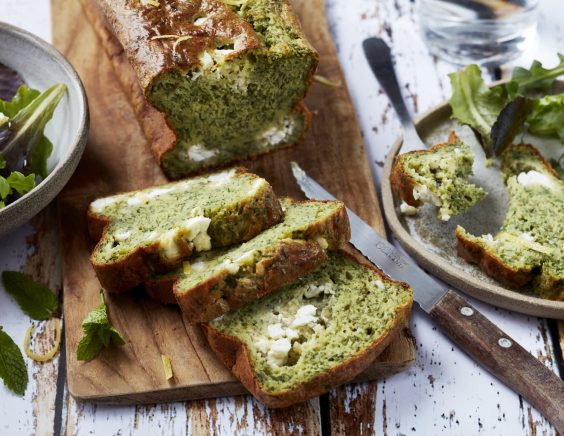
(155, 124)
(140, 264)
(401, 182)
(288, 262)
(490, 263)
(235, 356)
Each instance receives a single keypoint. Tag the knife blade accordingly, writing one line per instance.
(465, 325)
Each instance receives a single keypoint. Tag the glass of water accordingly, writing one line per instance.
(486, 32)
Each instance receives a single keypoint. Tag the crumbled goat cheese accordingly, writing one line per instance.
(314, 290)
(232, 268)
(198, 266)
(196, 229)
(278, 353)
(122, 235)
(305, 315)
(199, 153)
(275, 331)
(223, 177)
(421, 192)
(534, 178)
(528, 237)
(407, 209)
(100, 204)
(246, 258)
(275, 135)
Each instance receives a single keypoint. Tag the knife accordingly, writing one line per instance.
(464, 324)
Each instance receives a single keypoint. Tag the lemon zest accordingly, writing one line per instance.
(167, 365)
(164, 37)
(47, 356)
(325, 81)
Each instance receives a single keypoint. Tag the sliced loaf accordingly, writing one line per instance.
(530, 244)
(153, 229)
(222, 280)
(437, 176)
(313, 335)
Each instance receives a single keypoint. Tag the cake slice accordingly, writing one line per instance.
(313, 335)
(222, 280)
(212, 81)
(437, 176)
(153, 229)
(530, 244)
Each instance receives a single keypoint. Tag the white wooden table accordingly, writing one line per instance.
(444, 393)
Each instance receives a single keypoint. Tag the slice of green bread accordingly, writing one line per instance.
(437, 176)
(530, 244)
(154, 229)
(222, 280)
(313, 335)
(212, 81)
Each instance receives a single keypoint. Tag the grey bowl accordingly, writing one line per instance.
(42, 66)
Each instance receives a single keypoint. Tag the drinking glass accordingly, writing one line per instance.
(486, 32)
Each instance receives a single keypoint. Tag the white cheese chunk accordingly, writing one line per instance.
(407, 209)
(314, 290)
(199, 153)
(99, 205)
(528, 237)
(305, 315)
(198, 266)
(278, 353)
(533, 177)
(421, 192)
(196, 229)
(275, 331)
(122, 235)
(232, 268)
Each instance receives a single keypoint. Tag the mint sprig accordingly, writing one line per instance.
(98, 333)
(35, 299)
(12, 366)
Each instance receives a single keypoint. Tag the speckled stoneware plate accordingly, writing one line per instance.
(433, 243)
(42, 66)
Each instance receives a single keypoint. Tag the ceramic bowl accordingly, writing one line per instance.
(42, 66)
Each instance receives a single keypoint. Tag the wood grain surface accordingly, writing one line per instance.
(117, 158)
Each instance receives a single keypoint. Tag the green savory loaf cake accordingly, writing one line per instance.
(154, 229)
(217, 80)
(530, 244)
(313, 335)
(437, 176)
(221, 280)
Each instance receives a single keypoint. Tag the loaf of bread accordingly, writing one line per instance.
(437, 176)
(313, 335)
(530, 244)
(154, 229)
(214, 81)
(222, 280)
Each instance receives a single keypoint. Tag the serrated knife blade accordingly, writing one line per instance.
(465, 325)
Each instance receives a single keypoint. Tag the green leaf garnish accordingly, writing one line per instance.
(20, 183)
(36, 300)
(40, 155)
(12, 366)
(509, 123)
(547, 116)
(24, 96)
(474, 104)
(535, 79)
(98, 333)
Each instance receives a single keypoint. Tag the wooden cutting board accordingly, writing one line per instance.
(117, 158)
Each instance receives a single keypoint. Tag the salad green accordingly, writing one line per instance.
(24, 148)
(498, 113)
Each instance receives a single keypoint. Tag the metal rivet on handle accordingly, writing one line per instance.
(505, 343)
(466, 311)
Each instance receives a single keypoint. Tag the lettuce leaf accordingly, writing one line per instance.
(475, 104)
(535, 79)
(547, 116)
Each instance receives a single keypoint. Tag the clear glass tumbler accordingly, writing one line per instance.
(486, 32)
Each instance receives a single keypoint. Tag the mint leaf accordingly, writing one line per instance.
(35, 299)
(24, 96)
(536, 78)
(20, 183)
(39, 156)
(12, 366)
(474, 104)
(98, 333)
(547, 116)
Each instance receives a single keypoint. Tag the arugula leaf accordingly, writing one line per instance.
(4, 188)
(98, 333)
(40, 155)
(35, 299)
(24, 96)
(12, 365)
(474, 104)
(547, 116)
(536, 78)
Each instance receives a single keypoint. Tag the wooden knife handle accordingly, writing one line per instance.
(502, 356)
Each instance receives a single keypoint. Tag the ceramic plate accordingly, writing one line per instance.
(433, 243)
